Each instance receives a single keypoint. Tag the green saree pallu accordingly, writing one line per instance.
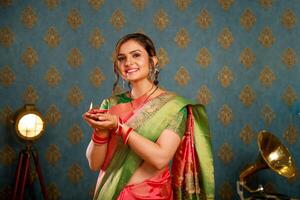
(192, 172)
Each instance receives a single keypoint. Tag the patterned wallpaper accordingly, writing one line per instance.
(240, 58)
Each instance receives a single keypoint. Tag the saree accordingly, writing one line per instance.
(157, 187)
(149, 120)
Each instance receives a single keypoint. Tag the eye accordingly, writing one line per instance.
(121, 58)
(136, 55)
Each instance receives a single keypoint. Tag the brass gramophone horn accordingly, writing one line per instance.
(272, 155)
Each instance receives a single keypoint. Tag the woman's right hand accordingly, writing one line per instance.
(92, 119)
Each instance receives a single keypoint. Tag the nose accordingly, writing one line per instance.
(128, 61)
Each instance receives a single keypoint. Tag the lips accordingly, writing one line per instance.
(131, 70)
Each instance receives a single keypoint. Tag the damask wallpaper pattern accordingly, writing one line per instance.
(239, 58)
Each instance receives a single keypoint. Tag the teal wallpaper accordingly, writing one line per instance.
(240, 58)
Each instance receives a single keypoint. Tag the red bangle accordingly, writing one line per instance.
(120, 132)
(119, 128)
(126, 135)
(99, 140)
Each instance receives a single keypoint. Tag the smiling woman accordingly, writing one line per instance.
(134, 63)
(137, 133)
(136, 53)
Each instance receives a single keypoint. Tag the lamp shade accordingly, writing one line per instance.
(29, 123)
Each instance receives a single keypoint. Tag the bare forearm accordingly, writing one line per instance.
(145, 148)
(95, 155)
(157, 154)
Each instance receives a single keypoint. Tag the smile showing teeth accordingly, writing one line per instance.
(131, 70)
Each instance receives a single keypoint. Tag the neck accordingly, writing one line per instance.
(141, 88)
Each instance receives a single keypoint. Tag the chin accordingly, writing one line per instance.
(137, 79)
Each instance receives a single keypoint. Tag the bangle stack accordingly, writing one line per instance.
(98, 139)
(120, 132)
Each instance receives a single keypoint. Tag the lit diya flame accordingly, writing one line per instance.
(91, 106)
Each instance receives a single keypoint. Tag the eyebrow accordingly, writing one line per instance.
(131, 52)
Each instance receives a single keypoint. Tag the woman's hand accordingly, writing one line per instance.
(101, 121)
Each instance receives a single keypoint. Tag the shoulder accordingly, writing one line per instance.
(114, 100)
(178, 99)
(183, 101)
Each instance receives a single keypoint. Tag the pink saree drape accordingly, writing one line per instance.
(158, 187)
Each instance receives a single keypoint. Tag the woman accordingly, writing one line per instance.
(137, 133)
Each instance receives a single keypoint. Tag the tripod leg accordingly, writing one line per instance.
(39, 172)
(25, 174)
(18, 172)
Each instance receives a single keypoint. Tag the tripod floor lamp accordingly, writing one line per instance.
(29, 126)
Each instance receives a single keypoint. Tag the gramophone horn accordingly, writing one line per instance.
(272, 155)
